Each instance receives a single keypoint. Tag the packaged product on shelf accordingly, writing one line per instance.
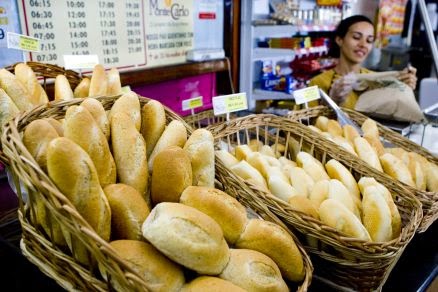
(276, 77)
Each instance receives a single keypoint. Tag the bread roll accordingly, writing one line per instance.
(319, 193)
(28, 78)
(334, 128)
(396, 222)
(98, 113)
(341, 141)
(272, 161)
(322, 123)
(128, 104)
(375, 143)
(8, 109)
(395, 168)
(432, 177)
(175, 134)
(172, 173)
(159, 273)
(210, 284)
(277, 172)
(200, 147)
(336, 215)
(311, 166)
(369, 128)
(417, 173)
(227, 159)
(224, 209)
(301, 181)
(340, 193)
(244, 170)
(98, 82)
(56, 125)
(400, 153)
(188, 237)
(242, 152)
(280, 188)
(350, 133)
(128, 211)
(285, 161)
(36, 138)
(267, 150)
(376, 215)
(367, 153)
(338, 171)
(255, 144)
(259, 162)
(315, 129)
(73, 172)
(153, 122)
(253, 271)
(82, 89)
(114, 85)
(15, 90)
(62, 88)
(303, 205)
(129, 152)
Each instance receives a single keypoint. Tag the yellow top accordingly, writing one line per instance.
(325, 81)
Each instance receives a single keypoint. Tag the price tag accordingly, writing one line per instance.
(22, 42)
(306, 94)
(192, 103)
(80, 61)
(229, 103)
(126, 89)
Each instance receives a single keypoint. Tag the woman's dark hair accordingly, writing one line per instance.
(342, 29)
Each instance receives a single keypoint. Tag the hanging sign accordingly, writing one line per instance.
(229, 103)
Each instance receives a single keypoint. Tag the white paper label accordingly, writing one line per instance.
(192, 103)
(23, 42)
(229, 103)
(306, 94)
(80, 61)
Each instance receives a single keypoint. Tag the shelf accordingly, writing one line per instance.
(259, 94)
(314, 28)
(263, 31)
(261, 54)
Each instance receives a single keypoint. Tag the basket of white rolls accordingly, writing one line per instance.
(354, 223)
(127, 197)
(389, 153)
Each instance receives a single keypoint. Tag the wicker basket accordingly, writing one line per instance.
(429, 200)
(36, 245)
(344, 261)
(205, 118)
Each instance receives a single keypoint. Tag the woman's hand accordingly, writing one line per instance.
(408, 76)
(342, 87)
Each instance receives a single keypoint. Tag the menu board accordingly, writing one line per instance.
(124, 34)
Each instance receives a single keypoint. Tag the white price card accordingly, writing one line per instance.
(80, 61)
(192, 103)
(126, 89)
(229, 103)
(22, 42)
(306, 94)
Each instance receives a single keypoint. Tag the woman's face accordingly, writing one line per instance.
(357, 43)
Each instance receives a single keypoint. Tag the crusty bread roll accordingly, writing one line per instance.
(315, 129)
(82, 89)
(114, 85)
(369, 128)
(280, 188)
(375, 143)
(350, 133)
(319, 193)
(15, 90)
(226, 157)
(395, 168)
(129, 152)
(159, 273)
(81, 128)
(304, 205)
(175, 134)
(73, 172)
(210, 284)
(128, 211)
(8, 109)
(63, 89)
(244, 170)
(253, 271)
(272, 161)
(98, 82)
(341, 141)
(255, 144)
(57, 125)
(400, 153)
(242, 152)
(340, 193)
(172, 173)
(417, 173)
(334, 128)
(200, 147)
(396, 222)
(28, 78)
(224, 209)
(376, 215)
(432, 177)
(98, 113)
(311, 166)
(336, 215)
(424, 164)
(367, 153)
(36, 138)
(338, 171)
(268, 151)
(273, 241)
(321, 123)
(259, 162)
(188, 237)
(153, 123)
(128, 104)
(278, 173)
(301, 181)
(284, 161)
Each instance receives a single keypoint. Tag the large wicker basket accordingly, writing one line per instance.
(345, 262)
(205, 118)
(59, 264)
(429, 200)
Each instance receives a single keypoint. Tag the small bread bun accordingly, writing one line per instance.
(227, 158)
(277, 172)
(304, 205)
(114, 85)
(97, 110)
(340, 193)
(255, 145)
(281, 189)
(128, 104)
(253, 271)
(338, 171)
(336, 215)
(417, 173)
(369, 128)
(188, 237)
(82, 89)
(375, 143)
(301, 181)
(62, 88)
(153, 123)
(210, 284)
(311, 166)
(432, 177)
(315, 129)
(128, 211)
(259, 162)
(350, 133)
(244, 170)
(395, 168)
(322, 123)
(99, 81)
(267, 150)
(242, 151)
(367, 153)
(334, 128)
(159, 273)
(344, 143)
(272, 161)
(15, 90)
(273, 241)
(319, 193)
(224, 209)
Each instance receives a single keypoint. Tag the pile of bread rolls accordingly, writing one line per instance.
(148, 189)
(364, 210)
(406, 166)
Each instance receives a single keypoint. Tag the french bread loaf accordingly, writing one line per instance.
(82, 89)
(63, 89)
(128, 104)
(8, 109)
(153, 123)
(15, 90)
(28, 78)
(56, 124)
(98, 82)
(114, 85)
(98, 113)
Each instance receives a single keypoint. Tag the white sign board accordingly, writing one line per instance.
(229, 103)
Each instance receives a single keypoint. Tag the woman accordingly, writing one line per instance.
(354, 38)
